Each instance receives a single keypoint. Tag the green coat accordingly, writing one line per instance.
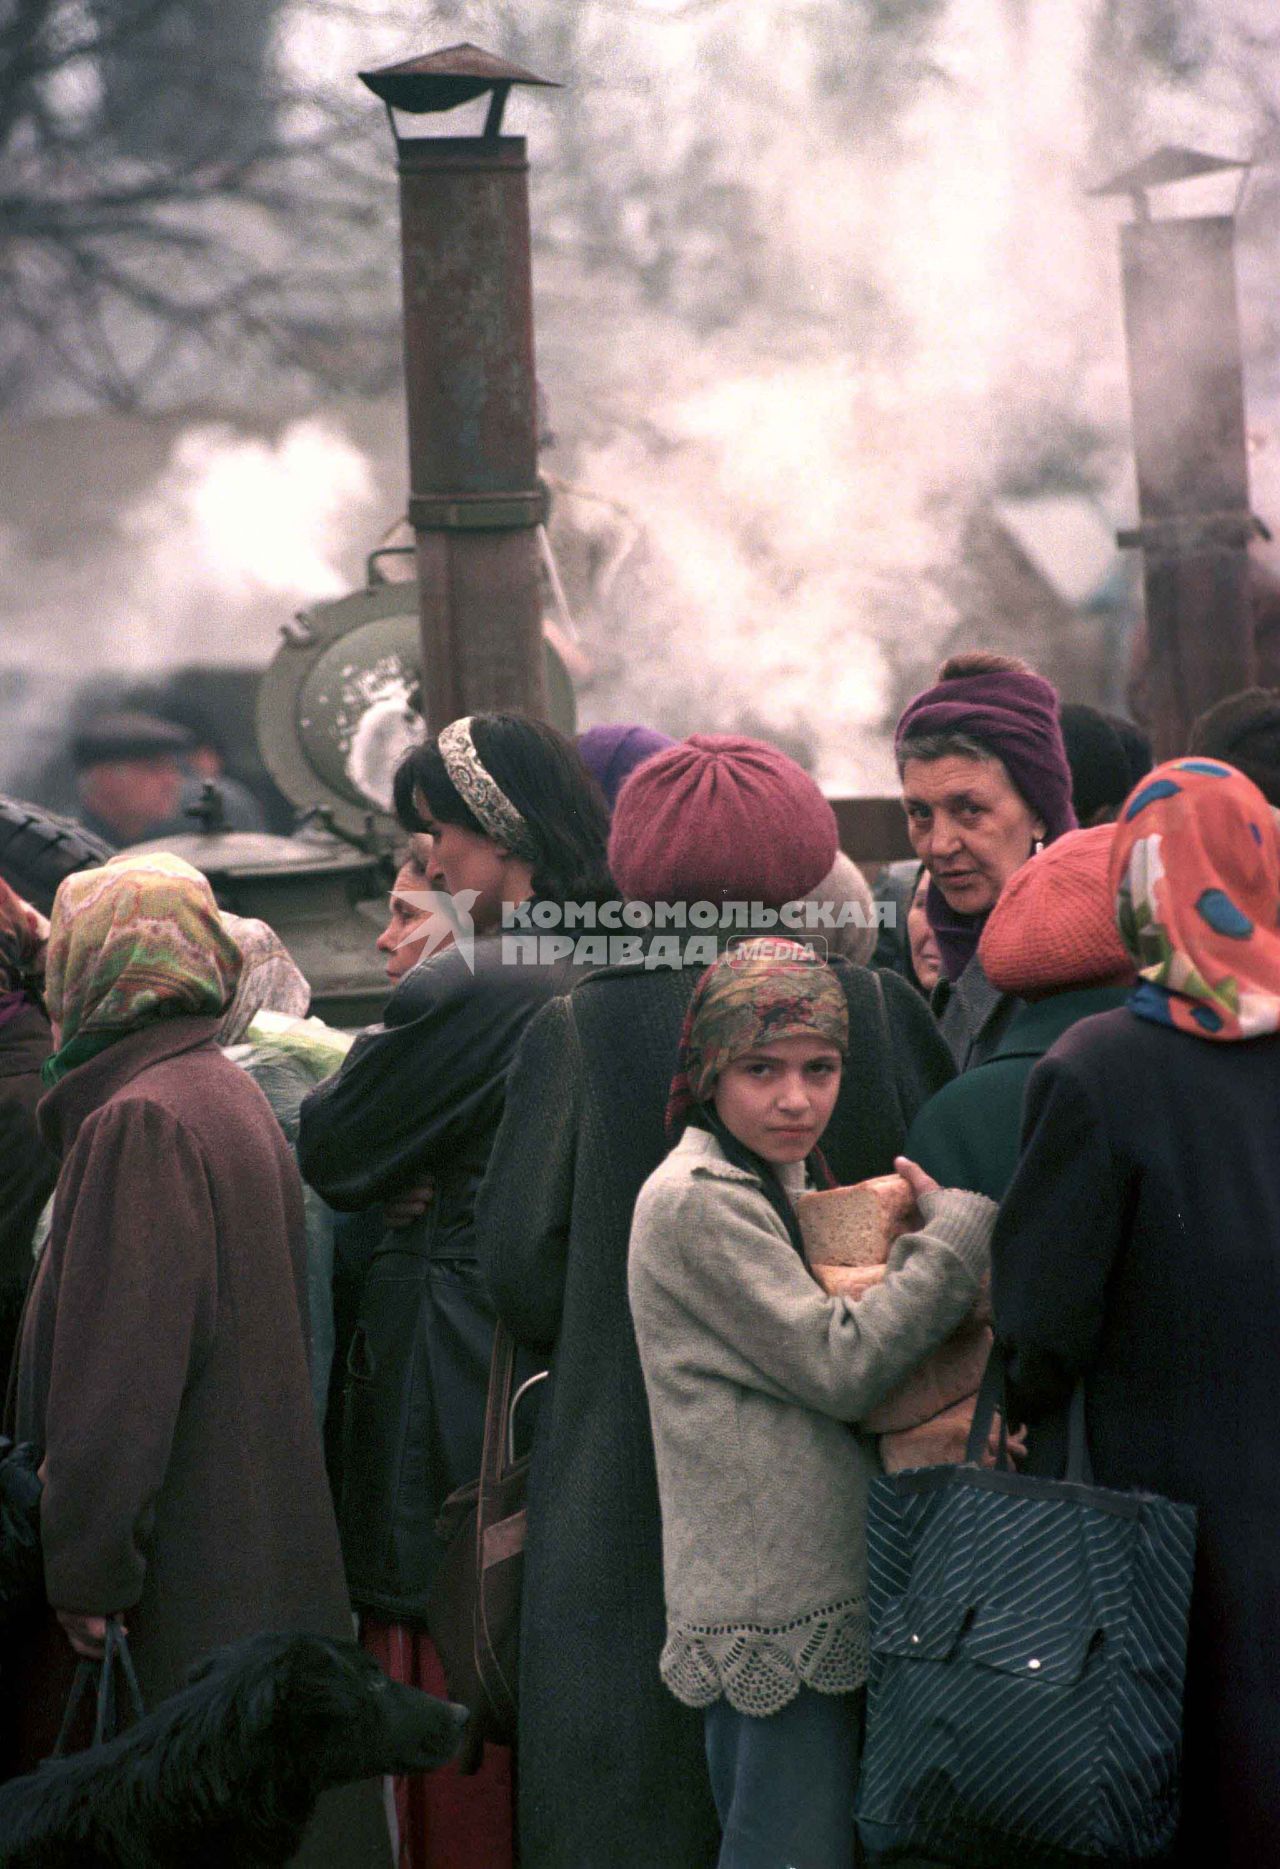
(968, 1134)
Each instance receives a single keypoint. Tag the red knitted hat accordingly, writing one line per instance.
(1054, 926)
(717, 818)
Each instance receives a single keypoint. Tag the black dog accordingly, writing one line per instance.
(227, 1771)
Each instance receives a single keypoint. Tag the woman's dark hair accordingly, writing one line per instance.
(542, 774)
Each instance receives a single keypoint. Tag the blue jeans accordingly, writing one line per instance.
(784, 1785)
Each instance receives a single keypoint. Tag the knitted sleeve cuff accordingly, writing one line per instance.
(962, 1221)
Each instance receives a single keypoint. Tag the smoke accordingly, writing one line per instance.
(818, 286)
(235, 518)
(928, 324)
(197, 558)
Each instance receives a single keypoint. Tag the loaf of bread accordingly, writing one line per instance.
(856, 1225)
(951, 1373)
(848, 1281)
(938, 1443)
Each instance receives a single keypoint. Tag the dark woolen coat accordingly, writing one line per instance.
(1139, 1247)
(163, 1375)
(612, 1769)
(28, 1169)
(969, 1134)
(419, 1095)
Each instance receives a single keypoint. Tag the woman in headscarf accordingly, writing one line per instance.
(1136, 1250)
(1051, 941)
(28, 1169)
(286, 1054)
(409, 1121)
(847, 921)
(162, 1372)
(985, 784)
(754, 1377)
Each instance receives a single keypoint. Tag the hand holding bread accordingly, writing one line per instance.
(848, 1234)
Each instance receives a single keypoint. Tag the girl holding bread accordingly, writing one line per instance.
(755, 1377)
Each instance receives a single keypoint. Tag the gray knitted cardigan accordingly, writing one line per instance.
(754, 1376)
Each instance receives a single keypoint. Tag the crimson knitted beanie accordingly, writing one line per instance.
(1054, 925)
(719, 818)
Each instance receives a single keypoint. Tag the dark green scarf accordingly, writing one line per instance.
(77, 1050)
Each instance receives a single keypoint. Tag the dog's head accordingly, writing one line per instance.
(329, 1707)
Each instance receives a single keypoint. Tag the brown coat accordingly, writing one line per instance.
(163, 1372)
(27, 1168)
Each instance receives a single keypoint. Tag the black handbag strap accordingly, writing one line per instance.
(991, 1396)
(115, 1653)
(1079, 1464)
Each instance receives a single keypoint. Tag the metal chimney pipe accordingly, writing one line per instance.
(1182, 330)
(475, 499)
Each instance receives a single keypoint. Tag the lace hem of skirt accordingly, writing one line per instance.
(759, 1667)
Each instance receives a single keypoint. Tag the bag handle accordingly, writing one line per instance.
(1079, 1463)
(496, 1461)
(115, 1651)
(530, 1382)
(991, 1396)
(497, 1408)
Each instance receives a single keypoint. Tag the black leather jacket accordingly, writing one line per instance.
(419, 1096)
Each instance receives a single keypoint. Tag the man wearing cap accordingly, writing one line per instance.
(128, 774)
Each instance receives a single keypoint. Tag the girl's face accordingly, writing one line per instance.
(969, 825)
(778, 1098)
(925, 955)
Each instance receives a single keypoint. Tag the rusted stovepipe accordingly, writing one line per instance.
(1182, 330)
(475, 499)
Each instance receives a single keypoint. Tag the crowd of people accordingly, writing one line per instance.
(251, 1267)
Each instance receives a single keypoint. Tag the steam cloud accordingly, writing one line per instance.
(816, 282)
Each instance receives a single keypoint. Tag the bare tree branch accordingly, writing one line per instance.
(120, 265)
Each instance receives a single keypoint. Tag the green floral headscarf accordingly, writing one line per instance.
(136, 941)
(763, 990)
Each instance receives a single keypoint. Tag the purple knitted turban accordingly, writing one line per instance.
(611, 754)
(1014, 714)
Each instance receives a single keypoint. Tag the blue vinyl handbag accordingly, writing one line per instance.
(1028, 1651)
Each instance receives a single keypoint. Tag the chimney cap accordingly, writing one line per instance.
(438, 81)
(1171, 163)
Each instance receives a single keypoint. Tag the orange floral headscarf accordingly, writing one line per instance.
(1195, 868)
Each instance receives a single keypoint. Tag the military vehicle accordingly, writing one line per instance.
(337, 708)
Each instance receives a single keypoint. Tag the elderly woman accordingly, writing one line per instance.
(162, 1371)
(1136, 1249)
(409, 1121)
(985, 783)
(28, 1169)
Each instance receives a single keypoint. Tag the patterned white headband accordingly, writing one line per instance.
(481, 792)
